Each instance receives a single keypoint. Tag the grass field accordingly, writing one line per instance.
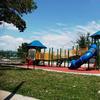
(46, 85)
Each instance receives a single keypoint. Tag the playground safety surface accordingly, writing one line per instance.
(81, 70)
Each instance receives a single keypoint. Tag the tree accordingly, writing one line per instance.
(7, 54)
(23, 51)
(83, 41)
(12, 11)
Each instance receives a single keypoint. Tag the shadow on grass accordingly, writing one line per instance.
(14, 91)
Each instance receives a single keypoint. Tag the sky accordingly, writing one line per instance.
(55, 23)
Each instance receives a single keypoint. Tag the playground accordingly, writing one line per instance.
(49, 50)
(55, 75)
(71, 60)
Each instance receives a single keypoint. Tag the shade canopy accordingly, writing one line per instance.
(36, 45)
(96, 35)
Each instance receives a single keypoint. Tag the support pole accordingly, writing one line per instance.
(57, 57)
(52, 58)
(65, 58)
(68, 57)
(60, 54)
(98, 54)
(44, 58)
(88, 49)
(76, 50)
(49, 57)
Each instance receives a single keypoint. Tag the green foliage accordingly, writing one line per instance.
(7, 54)
(11, 11)
(23, 51)
(83, 41)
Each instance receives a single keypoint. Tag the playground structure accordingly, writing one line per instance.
(95, 39)
(93, 52)
(72, 58)
(83, 59)
(41, 56)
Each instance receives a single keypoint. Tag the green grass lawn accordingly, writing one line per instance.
(46, 85)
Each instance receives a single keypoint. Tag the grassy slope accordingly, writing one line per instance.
(51, 85)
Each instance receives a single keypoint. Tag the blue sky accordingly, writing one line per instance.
(55, 23)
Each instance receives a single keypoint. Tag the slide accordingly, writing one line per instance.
(83, 59)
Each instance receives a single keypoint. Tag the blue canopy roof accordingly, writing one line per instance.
(36, 44)
(96, 35)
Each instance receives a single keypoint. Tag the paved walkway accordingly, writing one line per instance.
(5, 95)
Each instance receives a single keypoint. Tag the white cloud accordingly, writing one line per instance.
(51, 37)
(91, 27)
(8, 26)
(10, 43)
(61, 24)
(57, 40)
(63, 38)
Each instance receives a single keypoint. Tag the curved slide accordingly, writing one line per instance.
(83, 59)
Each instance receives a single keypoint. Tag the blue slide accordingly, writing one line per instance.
(83, 59)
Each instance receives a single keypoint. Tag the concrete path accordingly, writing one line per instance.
(5, 95)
